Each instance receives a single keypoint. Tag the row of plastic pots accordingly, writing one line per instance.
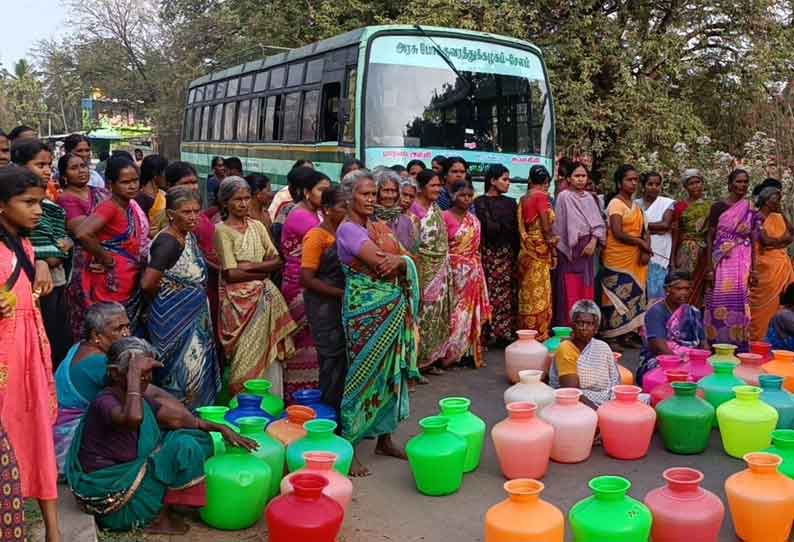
(257, 400)
(760, 501)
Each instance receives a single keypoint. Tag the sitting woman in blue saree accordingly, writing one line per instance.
(672, 325)
(378, 309)
(179, 323)
(134, 457)
(781, 328)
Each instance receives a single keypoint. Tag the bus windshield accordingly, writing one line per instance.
(495, 99)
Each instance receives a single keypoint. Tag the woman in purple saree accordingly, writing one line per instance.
(733, 225)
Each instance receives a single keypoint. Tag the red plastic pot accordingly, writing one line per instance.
(305, 514)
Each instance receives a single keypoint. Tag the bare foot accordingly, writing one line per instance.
(166, 524)
(387, 447)
(357, 469)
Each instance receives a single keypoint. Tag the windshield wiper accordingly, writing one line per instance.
(445, 57)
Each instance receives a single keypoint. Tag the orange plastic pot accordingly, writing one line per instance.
(626, 376)
(524, 516)
(289, 429)
(761, 499)
(782, 365)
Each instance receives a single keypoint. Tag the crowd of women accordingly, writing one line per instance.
(148, 300)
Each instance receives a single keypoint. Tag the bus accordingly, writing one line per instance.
(383, 94)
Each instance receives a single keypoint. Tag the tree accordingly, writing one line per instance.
(22, 95)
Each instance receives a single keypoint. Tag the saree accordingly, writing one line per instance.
(12, 520)
(691, 257)
(435, 277)
(595, 366)
(682, 330)
(378, 315)
(578, 219)
(536, 259)
(727, 317)
(472, 308)
(661, 245)
(73, 400)
(255, 325)
(302, 369)
(623, 279)
(77, 208)
(130, 495)
(399, 223)
(775, 273)
(180, 329)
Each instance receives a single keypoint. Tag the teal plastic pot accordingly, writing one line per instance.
(436, 457)
(320, 437)
(467, 425)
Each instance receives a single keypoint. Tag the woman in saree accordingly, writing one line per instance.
(111, 237)
(624, 274)
(378, 314)
(733, 227)
(659, 213)
(388, 208)
(581, 230)
(302, 369)
(408, 192)
(472, 308)
(773, 263)
(498, 219)
(179, 323)
(431, 253)
(81, 375)
(689, 236)
(672, 325)
(255, 325)
(537, 256)
(323, 281)
(133, 457)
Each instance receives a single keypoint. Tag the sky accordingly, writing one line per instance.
(25, 22)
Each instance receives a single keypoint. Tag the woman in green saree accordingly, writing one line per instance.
(132, 457)
(689, 236)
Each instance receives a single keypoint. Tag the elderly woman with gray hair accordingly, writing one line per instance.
(379, 311)
(690, 216)
(773, 265)
(179, 323)
(255, 325)
(583, 361)
(388, 207)
(133, 456)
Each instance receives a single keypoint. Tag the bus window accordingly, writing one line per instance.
(295, 74)
(291, 110)
(273, 120)
(277, 77)
(245, 84)
(260, 83)
(349, 133)
(217, 122)
(187, 131)
(229, 120)
(231, 88)
(314, 71)
(311, 101)
(199, 94)
(254, 132)
(209, 92)
(191, 96)
(197, 124)
(220, 90)
(205, 123)
(242, 120)
(330, 112)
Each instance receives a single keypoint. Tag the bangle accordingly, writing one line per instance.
(134, 393)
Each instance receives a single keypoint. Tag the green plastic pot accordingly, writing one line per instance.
(270, 450)
(746, 423)
(718, 387)
(610, 515)
(272, 404)
(467, 425)
(320, 437)
(238, 488)
(783, 445)
(216, 414)
(560, 334)
(685, 420)
(436, 457)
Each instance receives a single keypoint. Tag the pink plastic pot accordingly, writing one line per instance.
(525, 353)
(339, 487)
(656, 376)
(626, 424)
(750, 368)
(522, 431)
(682, 510)
(663, 391)
(574, 426)
(697, 364)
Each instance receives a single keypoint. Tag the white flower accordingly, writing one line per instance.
(704, 140)
(680, 148)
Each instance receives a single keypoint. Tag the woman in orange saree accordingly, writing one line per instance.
(773, 265)
(537, 255)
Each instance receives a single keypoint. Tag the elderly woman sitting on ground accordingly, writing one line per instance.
(133, 456)
(584, 362)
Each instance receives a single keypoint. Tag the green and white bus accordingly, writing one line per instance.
(383, 94)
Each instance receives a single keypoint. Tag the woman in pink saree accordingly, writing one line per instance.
(733, 226)
(303, 370)
(472, 308)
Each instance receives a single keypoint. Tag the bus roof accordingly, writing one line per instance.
(340, 41)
